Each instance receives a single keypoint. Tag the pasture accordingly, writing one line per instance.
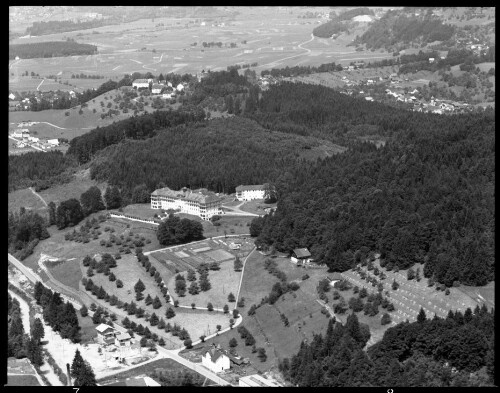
(25, 198)
(256, 206)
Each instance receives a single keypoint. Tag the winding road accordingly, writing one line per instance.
(276, 62)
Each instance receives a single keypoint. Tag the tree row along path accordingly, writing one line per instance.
(38, 195)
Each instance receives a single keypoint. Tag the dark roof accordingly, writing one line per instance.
(214, 354)
(336, 276)
(302, 253)
(250, 187)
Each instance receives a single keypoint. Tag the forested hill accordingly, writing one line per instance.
(427, 196)
(305, 109)
(219, 154)
(452, 352)
(395, 28)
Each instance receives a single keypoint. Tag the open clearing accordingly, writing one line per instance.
(25, 198)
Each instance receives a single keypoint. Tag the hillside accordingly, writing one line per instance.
(220, 155)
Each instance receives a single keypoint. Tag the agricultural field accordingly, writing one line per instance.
(273, 38)
(409, 297)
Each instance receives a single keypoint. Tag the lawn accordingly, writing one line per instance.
(88, 332)
(163, 365)
(67, 272)
(229, 225)
(22, 380)
(224, 281)
(257, 206)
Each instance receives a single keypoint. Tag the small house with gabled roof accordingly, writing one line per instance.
(215, 360)
(105, 334)
(301, 256)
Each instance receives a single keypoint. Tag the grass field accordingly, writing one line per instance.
(25, 198)
(257, 206)
(163, 365)
(68, 272)
(224, 281)
(88, 332)
(22, 380)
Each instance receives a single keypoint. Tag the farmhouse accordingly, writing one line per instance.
(301, 256)
(140, 83)
(180, 87)
(105, 334)
(201, 203)
(215, 360)
(156, 89)
(12, 96)
(17, 134)
(123, 340)
(257, 380)
(247, 193)
(54, 142)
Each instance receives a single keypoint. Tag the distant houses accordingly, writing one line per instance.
(247, 193)
(54, 142)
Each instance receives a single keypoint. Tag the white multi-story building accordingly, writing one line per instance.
(247, 193)
(201, 203)
(140, 83)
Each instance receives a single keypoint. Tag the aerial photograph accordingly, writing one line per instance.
(251, 196)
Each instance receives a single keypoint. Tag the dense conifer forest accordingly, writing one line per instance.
(50, 49)
(427, 196)
(219, 155)
(38, 169)
(452, 352)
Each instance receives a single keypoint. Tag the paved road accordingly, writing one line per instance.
(242, 272)
(33, 277)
